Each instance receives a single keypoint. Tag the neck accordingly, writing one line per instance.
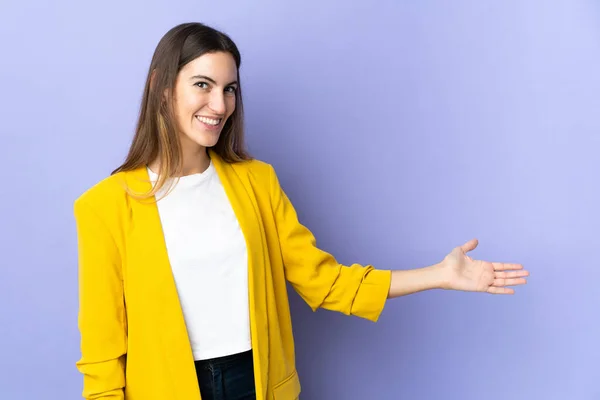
(193, 162)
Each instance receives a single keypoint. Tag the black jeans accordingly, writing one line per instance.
(227, 378)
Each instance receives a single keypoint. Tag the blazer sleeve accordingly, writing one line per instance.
(316, 275)
(102, 318)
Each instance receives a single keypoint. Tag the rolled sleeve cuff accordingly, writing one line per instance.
(372, 294)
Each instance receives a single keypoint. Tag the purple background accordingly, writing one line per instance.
(399, 130)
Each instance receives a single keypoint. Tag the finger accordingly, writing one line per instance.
(470, 245)
(509, 282)
(511, 274)
(498, 266)
(500, 290)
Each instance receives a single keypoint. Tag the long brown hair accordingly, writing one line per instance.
(156, 134)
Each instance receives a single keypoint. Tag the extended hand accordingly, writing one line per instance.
(463, 273)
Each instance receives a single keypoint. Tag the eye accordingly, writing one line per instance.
(231, 89)
(199, 84)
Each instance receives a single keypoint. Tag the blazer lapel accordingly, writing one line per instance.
(238, 186)
(151, 271)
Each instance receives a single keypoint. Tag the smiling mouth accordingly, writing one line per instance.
(209, 121)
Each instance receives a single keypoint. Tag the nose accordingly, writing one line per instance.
(217, 102)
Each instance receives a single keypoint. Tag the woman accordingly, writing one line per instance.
(185, 250)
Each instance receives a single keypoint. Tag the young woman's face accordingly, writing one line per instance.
(204, 98)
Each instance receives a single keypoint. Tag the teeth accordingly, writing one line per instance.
(208, 121)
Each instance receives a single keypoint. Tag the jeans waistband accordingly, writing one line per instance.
(224, 360)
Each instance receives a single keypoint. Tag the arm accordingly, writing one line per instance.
(102, 317)
(315, 274)
(356, 290)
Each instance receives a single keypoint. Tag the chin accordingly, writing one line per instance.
(202, 137)
(207, 139)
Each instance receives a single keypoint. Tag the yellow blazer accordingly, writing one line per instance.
(134, 342)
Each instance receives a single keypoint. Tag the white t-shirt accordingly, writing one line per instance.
(209, 260)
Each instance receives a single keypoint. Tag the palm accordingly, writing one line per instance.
(464, 273)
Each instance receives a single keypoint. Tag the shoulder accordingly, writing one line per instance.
(258, 170)
(254, 166)
(106, 194)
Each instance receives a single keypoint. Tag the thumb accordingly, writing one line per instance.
(470, 245)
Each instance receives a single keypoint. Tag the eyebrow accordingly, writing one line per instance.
(210, 80)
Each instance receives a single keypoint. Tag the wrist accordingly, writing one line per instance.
(405, 282)
(440, 279)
